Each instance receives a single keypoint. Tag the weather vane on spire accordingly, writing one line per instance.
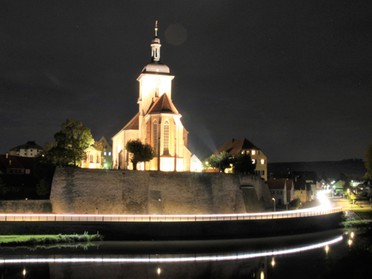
(156, 28)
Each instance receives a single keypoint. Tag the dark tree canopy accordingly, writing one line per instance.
(140, 152)
(243, 164)
(70, 144)
(220, 161)
(368, 163)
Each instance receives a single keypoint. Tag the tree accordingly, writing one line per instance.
(368, 163)
(243, 164)
(70, 144)
(3, 187)
(220, 161)
(140, 152)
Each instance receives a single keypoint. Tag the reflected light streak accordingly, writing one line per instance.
(326, 248)
(273, 262)
(197, 258)
(350, 242)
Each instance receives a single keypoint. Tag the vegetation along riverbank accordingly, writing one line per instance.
(16, 240)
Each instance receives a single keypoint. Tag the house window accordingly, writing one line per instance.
(253, 152)
(91, 158)
(262, 161)
(109, 153)
(166, 137)
(104, 153)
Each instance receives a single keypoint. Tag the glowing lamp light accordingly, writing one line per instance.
(158, 271)
(326, 248)
(350, 242)
(323, 200)
(273, 262)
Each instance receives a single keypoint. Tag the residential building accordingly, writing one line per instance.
(282, 191)
(30, 149)
(92, 158)
(16, 165)
(106, 152)
(235, 147)
(306, 185)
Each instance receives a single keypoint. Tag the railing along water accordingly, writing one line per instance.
(309, 212)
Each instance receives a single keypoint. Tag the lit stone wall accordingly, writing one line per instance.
(25, 206)
(139, 192)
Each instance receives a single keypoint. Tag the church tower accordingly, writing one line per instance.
(157, 122)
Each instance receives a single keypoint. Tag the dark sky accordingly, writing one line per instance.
(292, 76)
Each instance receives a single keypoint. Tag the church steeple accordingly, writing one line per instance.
(155, 45)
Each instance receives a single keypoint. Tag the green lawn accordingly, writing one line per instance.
(14, 240)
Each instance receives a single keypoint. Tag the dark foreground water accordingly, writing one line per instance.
(330, 254)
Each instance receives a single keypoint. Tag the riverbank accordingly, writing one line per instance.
(17, 240)
(358, 217)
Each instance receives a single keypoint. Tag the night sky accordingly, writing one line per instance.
(292, 76)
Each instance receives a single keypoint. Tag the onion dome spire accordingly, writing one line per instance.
(155, 45)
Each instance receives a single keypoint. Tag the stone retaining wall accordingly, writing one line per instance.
(25, 206)
(136, 192)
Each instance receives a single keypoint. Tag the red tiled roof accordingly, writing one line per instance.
(279, 183)
(133, 124)
(163, 105)
(235, 146)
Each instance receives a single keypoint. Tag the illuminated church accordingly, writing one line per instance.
(157, 122)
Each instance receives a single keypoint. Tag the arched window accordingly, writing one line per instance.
(155, 136)
(166, 137)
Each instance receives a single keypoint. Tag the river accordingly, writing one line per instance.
(329, 254)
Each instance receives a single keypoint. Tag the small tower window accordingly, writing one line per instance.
(166, 137)
(155, 136)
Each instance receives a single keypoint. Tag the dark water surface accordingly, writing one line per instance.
(330, 254)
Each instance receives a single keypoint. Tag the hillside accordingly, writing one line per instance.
(352, 168)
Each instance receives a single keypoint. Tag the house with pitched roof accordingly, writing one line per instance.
(282, 190)
(157, 123)
(30, 149)
(234, 147)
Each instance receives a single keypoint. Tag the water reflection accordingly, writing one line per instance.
(252, 258)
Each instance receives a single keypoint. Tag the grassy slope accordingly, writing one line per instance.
(14, 240)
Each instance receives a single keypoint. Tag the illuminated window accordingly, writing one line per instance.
(166, 137)
(109, 153)
(253, 161)
(253, 152)
(91, 158)
(262, 161)
(104, 153)
(155, 137)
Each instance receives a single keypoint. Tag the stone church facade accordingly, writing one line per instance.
(157, 122)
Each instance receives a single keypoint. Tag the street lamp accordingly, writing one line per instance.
(273, 199)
